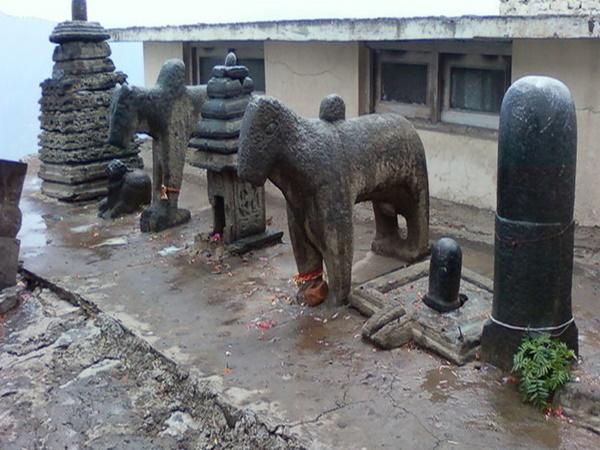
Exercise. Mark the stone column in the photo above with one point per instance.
(12, 177)
(74, 112)
(537, 154)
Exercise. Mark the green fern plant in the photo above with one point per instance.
(543, 365)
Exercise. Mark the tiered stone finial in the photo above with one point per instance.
(74, 107)
(238, 207)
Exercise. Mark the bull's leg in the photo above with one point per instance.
(312, 290)
(387, 234)
(334, 232)
(417, 221)
(157, 171)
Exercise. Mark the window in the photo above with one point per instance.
(453, 82)
(474, 86)
(403, 84)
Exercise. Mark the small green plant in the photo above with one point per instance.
(543, 365)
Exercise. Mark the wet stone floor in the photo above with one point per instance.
(305, 373)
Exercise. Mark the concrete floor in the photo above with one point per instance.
(304, 371)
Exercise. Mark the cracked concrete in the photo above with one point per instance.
(232, 325)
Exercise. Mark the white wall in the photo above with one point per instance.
(300, 74)
(155, 54)
(536, 7)
(461, 168)
(577, 64)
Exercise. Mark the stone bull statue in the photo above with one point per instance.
(169, 113)
(323, 167)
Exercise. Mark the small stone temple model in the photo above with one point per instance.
(533, 264)
(12, 177)
(168, 112)
(239, 214)
(324, 167)
(128, 191)
(74, 112)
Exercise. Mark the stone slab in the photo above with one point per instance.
(75, 101)
(78, 30)
(75, 192)
(398, 314)
(225, 109)
(52, 140)
(220, 146)
(218, 129)
(83, 67)
(81, 50)
(89, 155)
(9, 261)
(75, 121)
(211, 161)
(81, 173)
(84, 82)
(255, 242)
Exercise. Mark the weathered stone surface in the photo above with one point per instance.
(82, 156)
(75, 121)
(81, 50)
(323, 169)
(128, 191)
(398, 315)
(54, 142)
(78, 30)
(220, 146)
(79, 10)
(168, 112)
(209, 160)
(80, 173)
(76, 101)
(235, 72)
(224, 88)
(9, 262)
(81, 67)
(67, 85)
(9, 298)
(224, 109)
(218, 129)
(332, 108)
(89, 190)
(533, 261)
(581, 401)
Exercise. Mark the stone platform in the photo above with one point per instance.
(398, 314)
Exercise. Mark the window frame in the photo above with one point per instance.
(413, 110)
(441, 57)
(464, 61)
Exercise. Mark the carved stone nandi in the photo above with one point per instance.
(324, 167)
(168, 112)
(128, 191)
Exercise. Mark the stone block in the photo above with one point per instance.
(51, 141)
(216, 162)
(81, 173)
(219, 146)
(9, 262)
(399, 315)
(76, 121)
(75, 192)
(224, 109)
(223, 88)
(218, 129)
(81, 50)
(82, 67)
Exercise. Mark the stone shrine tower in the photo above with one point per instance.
(74, 112)
(239, 214)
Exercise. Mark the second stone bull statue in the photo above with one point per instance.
(323, 167)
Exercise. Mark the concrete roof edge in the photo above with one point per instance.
(388, 28)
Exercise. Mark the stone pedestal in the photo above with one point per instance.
(74, 112)
(239, 215)
(533, 263)
(12, 177)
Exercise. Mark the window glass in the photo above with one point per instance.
(404, 83)
(479, 90)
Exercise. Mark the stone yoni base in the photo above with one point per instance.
(398, 314)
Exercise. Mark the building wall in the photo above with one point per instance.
(300, 74)
(155, 54)
(535, 7)
(461, 168)
(577, 64)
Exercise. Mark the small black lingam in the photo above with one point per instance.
(444, 277)
(533, 263)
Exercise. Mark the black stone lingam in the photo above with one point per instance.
(444, 277)
(79, 10)
(533, 264)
